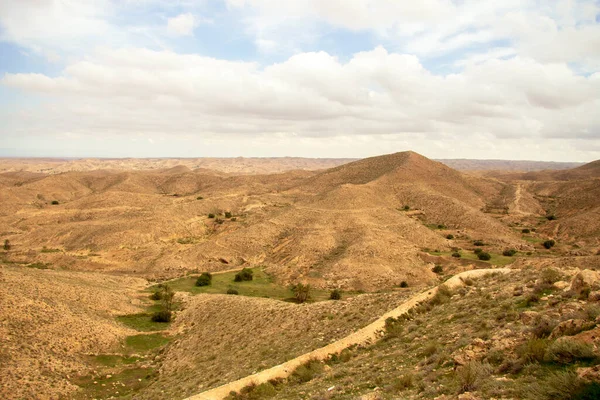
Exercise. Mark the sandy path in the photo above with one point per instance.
(517, 201)
(368, 334)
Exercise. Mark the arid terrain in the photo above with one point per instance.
(88, 241)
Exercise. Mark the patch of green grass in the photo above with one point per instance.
(143, 343)
(119, 385)
(141, 322)
(497, 259)
(261, 285)
(532, 239)
(113, 360)
(38, 265)
(49, 250)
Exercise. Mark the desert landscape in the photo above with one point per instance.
(93, 248)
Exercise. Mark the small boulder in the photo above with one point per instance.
(585, 279)
(570, 327)
(594, 296)
(528, 317)
(589, 374)
(560, 285)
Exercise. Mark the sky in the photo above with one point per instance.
(477, 79)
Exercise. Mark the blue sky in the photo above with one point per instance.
(311, 78)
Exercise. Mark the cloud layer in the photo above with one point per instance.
(511, 99)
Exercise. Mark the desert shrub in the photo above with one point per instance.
(495, 356)
(306, 372)
(531, 299)
(211, 215)
(450, 236)
(244, 275)
(335, 294)
(477, 251)
(403, 284)
(54, 202)
(232, 291)
(228, 214)
(438, 269)
(430, 349)
(478, 243)
(162, 316)
(549, 244)
(542, 328)
(234, 219)
(551, 217)
(442, 295)
(199, 198)
(255, 392)
(219, 221)
(456, 254)
(205, 279)
(550, 275)
(470, 376)
(525, 230)
(533, 350)
(156, 295)
(393, 327)
(301, 292)
(484, 256)
(561, 385)
(6, 245)
(403, 382)
(406, 208)
(441, 226)
(567, 350)
(509, 252)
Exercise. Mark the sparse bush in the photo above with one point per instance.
(406, 208)
(542, 328)
(561, 385)
(551, 217)
(162, 316)
(6, 245)
(307, 371)
(477, 251)
(228, 214)
(479, 243)
(550, 275)
(301, 292)
(470, 376)
(441, 226)
(157, 295)
(335, 294)
(484, 256)
(449, 236)
(549, 244)
(211, 215)
(566, 350)
(509, 252)
(219, 221)
(456, 254)
(199, 198)
(525, 230)
(232, 291)
(403, 382)
(244, 275)
(531, 299)
(533, 350)
(204, 280)
(233, 219)
(438, 269)
(442, 295)
(54, 202)
(403, 284)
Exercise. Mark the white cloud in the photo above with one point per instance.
(312, 95)
(182, 25)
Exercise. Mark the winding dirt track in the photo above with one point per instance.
(368, 334)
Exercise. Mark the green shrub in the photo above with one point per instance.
(199, 198)
(335, 294)
(551, 217)
(525, 230)
(211, 215)
(162, 316)
(403, 284)
(228, 214)
(406, 208)
(157, 295)
(403, 382)
(456, 254)
(204, 280)
(219, 221)
(560, 385)
(6, 245)
(477, 251)
(307, 371)
(450, 236)
(301, 292)
(442, 295)
(233, 219)
(438, 269)
(531, 299)
(566, 350)
(478, 243)
(54, 202)
(509, 252)
(471, 375)
(244, 275)
(232, 291)
(441, 226)
(543, 327)
(549, 244)
(484, 256)
(550, 275)
(533, 350)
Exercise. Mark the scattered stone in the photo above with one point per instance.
(528, 317)
(560, 285)
(570, 327)
(585, 279)
(590, 374)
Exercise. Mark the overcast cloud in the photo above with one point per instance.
(324, 78)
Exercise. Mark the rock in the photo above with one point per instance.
(528, 317)
(517, 291)
(570, 327)
(590, 374)
(468, 396)
(594, 296)
(584, 279)
(560, 285)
